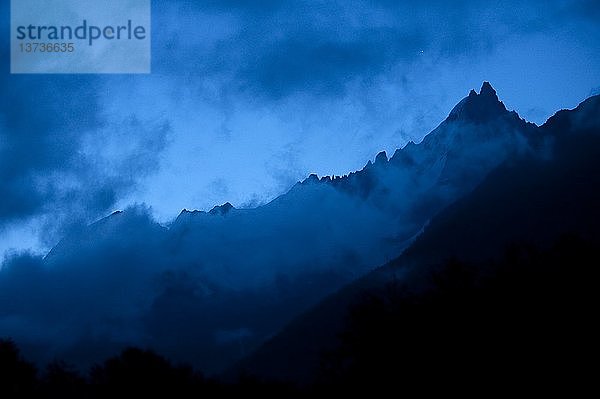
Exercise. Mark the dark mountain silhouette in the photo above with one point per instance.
(212, 286)
(495, 296)
(480, 108)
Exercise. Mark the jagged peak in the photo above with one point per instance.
(381, 158)
(216, 210)
(186, 215)
(479, 108)
(488, 91)
(312, 178)
(221, 209)
(185, 211)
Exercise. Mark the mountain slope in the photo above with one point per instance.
(214, 285)
(408, 322)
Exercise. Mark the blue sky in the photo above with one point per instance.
(248, 97)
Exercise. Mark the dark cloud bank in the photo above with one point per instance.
(277, 48)
(48, 170)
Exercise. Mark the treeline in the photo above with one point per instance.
(522, 324)
(134, 373)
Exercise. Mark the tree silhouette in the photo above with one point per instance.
(61, 380)
(17, 376)
(518, 324)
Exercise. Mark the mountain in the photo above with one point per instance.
(497, 294)
(213, 285)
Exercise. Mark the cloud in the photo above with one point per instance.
(48, 167)
(339, 72)
(60, 305)
(589, 9)
(43, 122)
(321, 65)
(278, 48)
(61, 158)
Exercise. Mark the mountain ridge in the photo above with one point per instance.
(533, 200)
(223, 271)
(487, 96)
